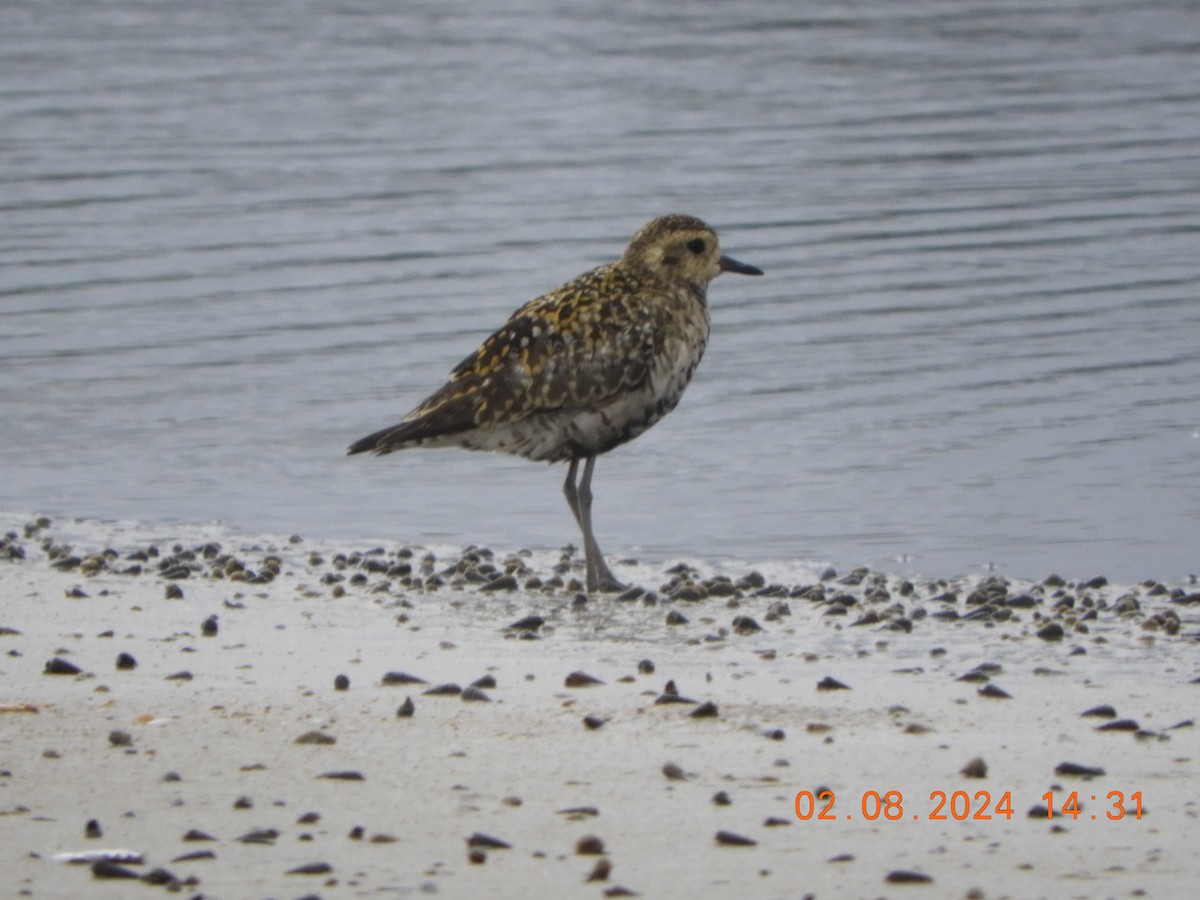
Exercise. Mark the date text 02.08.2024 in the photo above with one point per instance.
(961, 805)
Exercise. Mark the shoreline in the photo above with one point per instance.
(199, 735)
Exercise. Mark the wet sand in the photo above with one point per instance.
(649, 745)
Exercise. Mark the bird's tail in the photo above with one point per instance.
(438, 418)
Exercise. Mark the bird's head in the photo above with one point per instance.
(682, 248)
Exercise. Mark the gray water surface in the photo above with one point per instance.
(235, 237)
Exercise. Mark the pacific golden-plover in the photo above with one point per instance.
(582, 369)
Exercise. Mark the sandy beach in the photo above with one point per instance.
(235, 716)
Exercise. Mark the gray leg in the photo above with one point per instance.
(599, 576)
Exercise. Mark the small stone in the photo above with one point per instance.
(60, 666)
(1100, 712)
(209, 627)
(474, 694)
(159, 877)
(745, 625)
(402, 678)
(173, 592)
(996, 693)
(1077, 770)
(732, 839)
(341, 683)
(502, 583)
(1051, 632)
(105, 869)
(600, 871)
(903, 876)
(589, 845)
(976, 768)
(118, 738)
(315, 737)
(343, 775)
(721, 798)
(1119, 725)
(125, 662)
(580, 680)
(316, 868)
(593, 722)
(259, 836)
(479, 839)
(706, 710)
(645, 667)
(407, 708)
(831, 684)
(528, 623)
(477, 856)
(673, 772)
(444, 690)
(92, 829)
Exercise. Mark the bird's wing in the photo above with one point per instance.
(577, 346)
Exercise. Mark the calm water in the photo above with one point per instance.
(235, 237)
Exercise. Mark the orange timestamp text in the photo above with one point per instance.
(963, 806)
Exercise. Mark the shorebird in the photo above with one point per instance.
(582, 369)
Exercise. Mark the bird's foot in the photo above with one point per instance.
(607, 584)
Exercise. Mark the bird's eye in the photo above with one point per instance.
(697, 245)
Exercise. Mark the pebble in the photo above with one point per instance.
(1119, 725)
(60, 666)
(479, 839)
(1077, 770)
(125, 662)
(104, 869)
(589, 845)
(1051, 632)
(402, 678)
(904, 876)
(315, 737)
(600, 871)
(580, 680)
(342, 683)
(831, 684)
(406, 709)
(976, 768)
(259, 836)
(315, 868)
(732, 839)
(673, 772)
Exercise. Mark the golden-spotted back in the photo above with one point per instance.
(584, 367)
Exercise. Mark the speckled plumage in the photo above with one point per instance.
(583, 368)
